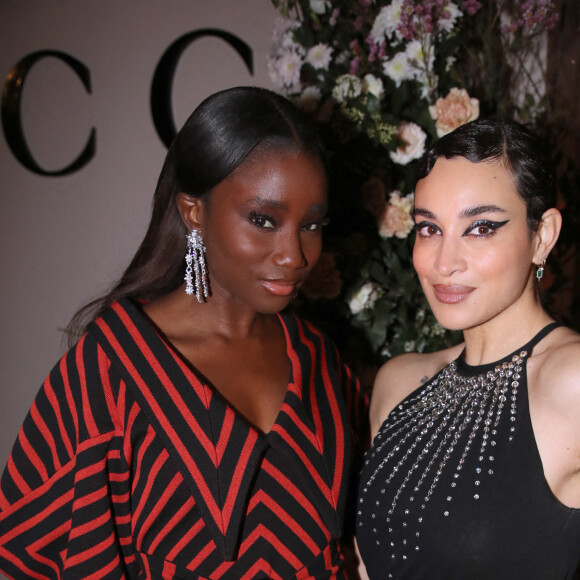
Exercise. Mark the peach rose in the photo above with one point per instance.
(396, 219)
(413, 147)
(456, 109)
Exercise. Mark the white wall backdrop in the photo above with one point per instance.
(64, 240)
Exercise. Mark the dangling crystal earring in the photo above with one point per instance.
(195, 260)
(540, 271)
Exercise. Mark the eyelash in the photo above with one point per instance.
(259, 220)
(491, 225)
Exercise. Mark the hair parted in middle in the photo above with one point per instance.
(225, 130)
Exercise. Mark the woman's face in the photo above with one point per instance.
(473, 250)
(262, 227)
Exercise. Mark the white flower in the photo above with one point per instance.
(413, 138)
(364, 298)
(347, 86)
(282, 26)
(289, 65)
(397, 219)
(386, 22)
(309, 99)
(447, 24)
(319, 6)
(420, 60)
(437, 330)
(409, 346)
(343, 57)
(319, 56)
(285, 59)
(373, 86)
(290, 45)
(274, 72)
(399, 69)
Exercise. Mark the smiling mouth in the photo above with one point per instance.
(280, 287)
(451, 293)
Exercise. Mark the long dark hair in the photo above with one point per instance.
(521, 152)
(218, 136)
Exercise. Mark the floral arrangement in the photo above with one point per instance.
(384, 78)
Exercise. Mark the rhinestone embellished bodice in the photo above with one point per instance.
(446, 460)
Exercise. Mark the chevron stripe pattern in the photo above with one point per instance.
(130, 465)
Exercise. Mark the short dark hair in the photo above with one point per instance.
(222, 132)
(516, 147)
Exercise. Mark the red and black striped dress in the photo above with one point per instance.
(129, 465)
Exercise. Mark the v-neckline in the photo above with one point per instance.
(204, 380)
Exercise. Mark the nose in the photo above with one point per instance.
(449, 257)
(288, 252)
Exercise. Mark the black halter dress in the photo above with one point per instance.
(453, 485)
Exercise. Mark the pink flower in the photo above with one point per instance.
(456, 109)
(396, 220)
(471, 6)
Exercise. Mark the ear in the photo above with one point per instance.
(547, 234)
(191, 210)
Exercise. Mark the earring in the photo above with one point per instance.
(196, 266)
(540, 271)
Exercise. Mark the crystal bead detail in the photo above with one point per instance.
(452, 422)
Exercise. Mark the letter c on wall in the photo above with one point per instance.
(11, 119)
(165, 71)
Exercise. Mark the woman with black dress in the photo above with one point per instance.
(474, 469)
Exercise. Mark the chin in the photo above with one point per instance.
(274, 306)
(450, 318)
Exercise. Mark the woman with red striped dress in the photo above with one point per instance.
(198, 428)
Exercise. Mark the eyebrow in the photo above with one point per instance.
(466, 213)
(268, 203)
(280, 205)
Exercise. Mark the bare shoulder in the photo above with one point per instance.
(400, 376)
(558, 365)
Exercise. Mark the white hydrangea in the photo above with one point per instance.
(385, 24)
(347, 86)
(319, 56)
(399, 69)
(374, 86)
(414, 139)
(364, 298)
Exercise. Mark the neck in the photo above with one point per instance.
(505, 333)
(181, 315)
